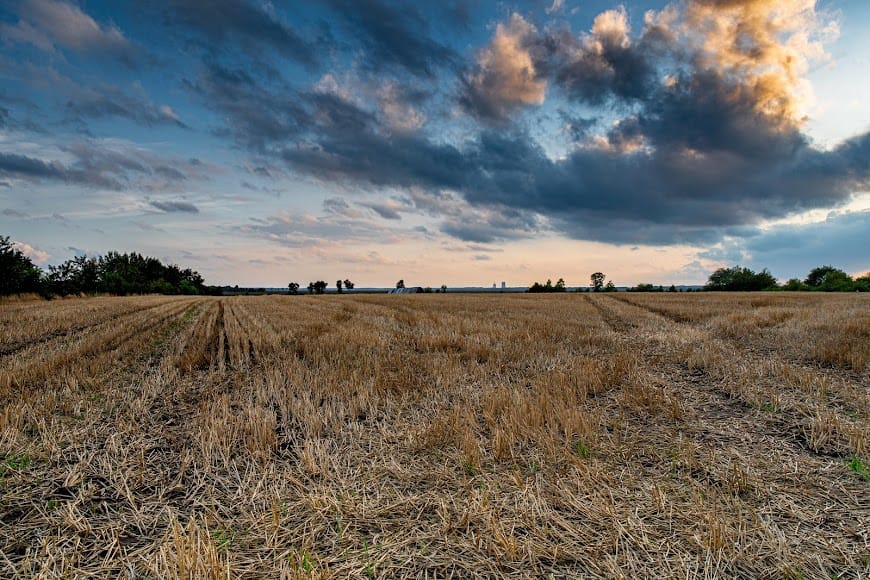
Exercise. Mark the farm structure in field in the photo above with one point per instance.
(409, 290)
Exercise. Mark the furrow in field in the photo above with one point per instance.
(92, 349)
(731, 443)
(22, 332)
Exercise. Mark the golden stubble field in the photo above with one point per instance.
(570, 435)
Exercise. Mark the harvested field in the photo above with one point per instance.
(606, 435)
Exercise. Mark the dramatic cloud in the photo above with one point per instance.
(505, 77)
(47, 24)
(174, 206)
(456, 121)
(713, 139)
(393, 36)
(252, 26)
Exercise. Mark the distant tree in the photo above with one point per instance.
(610, 287)
(348, 284)
(311, 287)
(400, 284)
(319, 287)
(293, 287)
(794, 285)
(862, 283)
(537, 287)
(338, 286)
(18, 274)
(829, 279)
(817, 275)
(444, 288)
(597, 281)
(672, 288)
(740, 279)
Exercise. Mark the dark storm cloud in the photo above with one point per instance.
(96, 165)
(27, 168)
(394, 34)
(250, 26)
(257, 114)
(110, 101)
(174, 206)
(706, 140)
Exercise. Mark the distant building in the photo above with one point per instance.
(503, 286)
(409, 290)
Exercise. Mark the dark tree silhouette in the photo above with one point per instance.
(597, 281)
(829, 279)
(400, 284)
(338, 284)
(740, 279)
(293, 287)
(18, 274)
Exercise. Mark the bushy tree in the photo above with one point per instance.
(338, 286)
(794, 285)
(829, 279)
(559, 286)
(400, 284)
(348, 284)
(862, 283)
(596, 281)
(18, 274)
(740, 279)
(643, 288)
(293, 288)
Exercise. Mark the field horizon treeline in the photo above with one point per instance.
(113, 273)
(124, 274)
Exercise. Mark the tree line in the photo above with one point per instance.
(115, 273)
(821, 279)
(736, 278)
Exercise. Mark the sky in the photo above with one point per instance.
(460, 142)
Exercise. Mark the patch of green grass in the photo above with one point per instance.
(534, 467)
(769, 407)
(470, 468)
(14, 463)
(582, 449)
(369, 569)
(858, 467)
(307, 562)
(223, 539)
